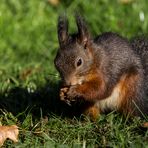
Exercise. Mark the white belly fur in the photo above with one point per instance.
(112, 102)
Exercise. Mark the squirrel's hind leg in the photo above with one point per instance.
(93, 112)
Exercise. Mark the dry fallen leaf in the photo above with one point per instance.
(54, 2)
(126, 1)
(145, 124)
(10, 132)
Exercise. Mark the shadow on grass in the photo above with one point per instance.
(43, 101)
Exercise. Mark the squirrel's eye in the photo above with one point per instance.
(85, 46)
(79, 62)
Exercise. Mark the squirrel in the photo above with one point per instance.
(103, 74)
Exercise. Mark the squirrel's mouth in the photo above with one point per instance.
(74, 81)
(77, 82)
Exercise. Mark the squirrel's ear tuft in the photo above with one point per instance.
(62, 29)
(83, 33)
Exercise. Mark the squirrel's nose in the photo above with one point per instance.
(72, 80)
(66, 83)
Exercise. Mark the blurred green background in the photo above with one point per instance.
(28, 45)
(28, 33)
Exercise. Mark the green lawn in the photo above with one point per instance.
(29, 81)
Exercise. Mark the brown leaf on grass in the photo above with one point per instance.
(24, 74)
(145, 124)
(10, 132)
(54, 2)
(126, 1)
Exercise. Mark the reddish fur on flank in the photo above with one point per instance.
(122, 95)
(128, 85)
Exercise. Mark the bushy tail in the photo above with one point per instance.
(140, 45)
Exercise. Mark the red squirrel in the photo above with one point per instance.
(105, 73)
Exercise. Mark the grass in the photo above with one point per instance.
(29, 81)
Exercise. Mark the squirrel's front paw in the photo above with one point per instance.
(63, 95)
(72, 93)
(68, 95)
(63, 92)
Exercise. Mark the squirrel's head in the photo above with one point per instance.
(74, 58)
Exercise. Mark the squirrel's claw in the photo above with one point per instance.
(63, 95)
(63, 92)
(72, 93)
(68, 102)
(68, 95)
